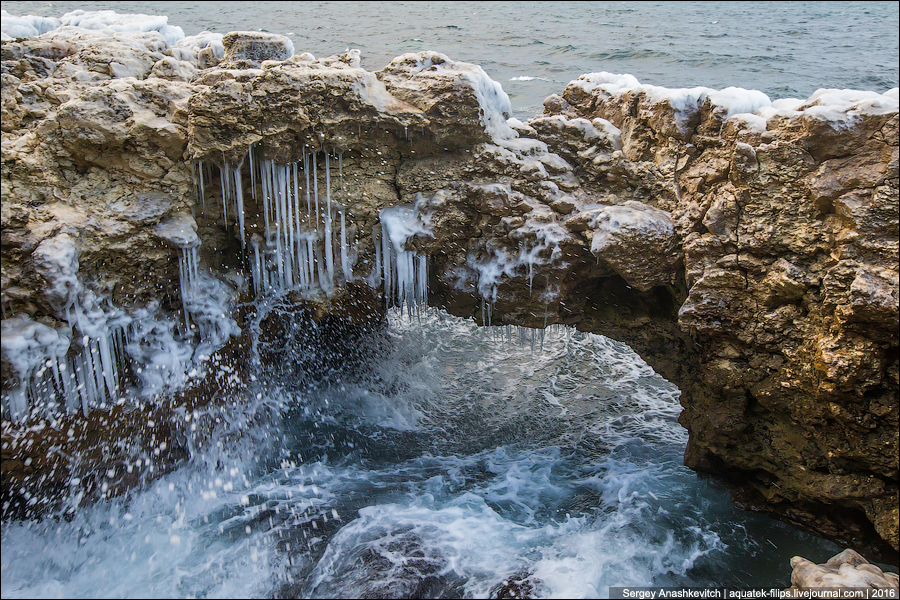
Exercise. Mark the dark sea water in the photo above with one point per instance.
(448, 458)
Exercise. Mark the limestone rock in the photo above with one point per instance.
(637, 241)
(747, 249)
(251, 48)
(845, 570)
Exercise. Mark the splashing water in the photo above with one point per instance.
(446, 461)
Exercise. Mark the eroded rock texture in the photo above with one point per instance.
(748, 251)
(845, 570)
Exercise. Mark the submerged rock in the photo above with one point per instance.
(747, 249)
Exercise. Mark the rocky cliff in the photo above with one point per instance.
(747, 249)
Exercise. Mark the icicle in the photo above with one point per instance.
(252, 173)
(239, 200)
(302, 263)
(319, 269)
(345, 258)
(279, 219)
(329, 249)
(299, 262)
(222, 182)
(405, 272)
(263, 175)
(311, 256)
(256, 266)
(315, 190)
(288, 227)
(376, 239)
(388, 257)
(422, 279)
(110, 372)
(202, 192)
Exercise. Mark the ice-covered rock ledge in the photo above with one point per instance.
(746, 248)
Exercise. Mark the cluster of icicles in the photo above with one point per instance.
(305, 236)
(81, 380)
(299, 241)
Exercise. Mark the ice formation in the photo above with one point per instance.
(87, 364)
(304, 239)
(30, 348)
(105, 21)
(405, 273)
(12, 27)
(751, 106)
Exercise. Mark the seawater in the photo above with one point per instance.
(787, 50)
(444, 460)
(447, 459)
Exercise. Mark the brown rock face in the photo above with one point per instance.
(750, 258)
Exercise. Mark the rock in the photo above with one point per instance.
(845, 570)
(251, 48)
(180, 230)
(635, 240)
(516, 586)
(748, 251)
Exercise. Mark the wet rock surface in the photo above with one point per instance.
(750, 256)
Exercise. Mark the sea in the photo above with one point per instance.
(427, 455)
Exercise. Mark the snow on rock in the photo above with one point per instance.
(451, 85)
(636, 240)
(752, 107)
(173, 69)
(684, 102)
(834, 105)
(204, 39)
(109, 21)
(12, 27)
